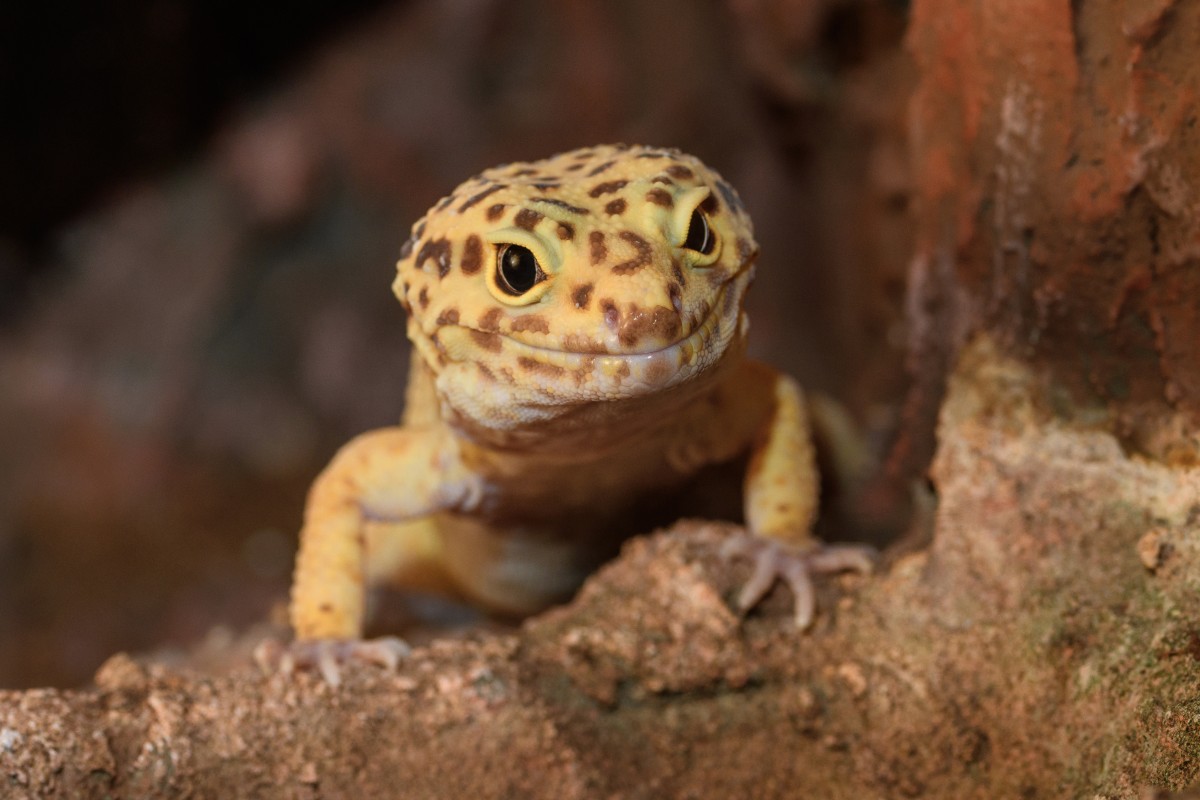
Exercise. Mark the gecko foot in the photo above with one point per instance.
(775, 560)
(328, 656)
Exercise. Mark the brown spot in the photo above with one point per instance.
(563, 204)
(677, 272)
(745, 250)
(711, 204)
(663, 179)
(445, 201)
(599, 251)
(641, 259)
(423, 298)
(661, 323)
(582, 296)
(533, 365)
(574, 167)
(731, 198)
(654, 154)
(479, 196)
(531, 322)
(439, 251)
(657, 371)
(612, 315)
(488, 341)
(608, 187)
(586, 367)
(676, 294)
(728, 303)
(484, 371)
(583, 154)
(495, 211)
(606, 165)
(527, 218)
(660, 197)
(623, 370)
(419, 230)
(681, 172)
(472, 257)
(521, 173)
(617, 206)
(546, 186)
(325, 608)
(448, 317)
(716, 276)
(407, 248)
(491, 320)
(565, 231)
(687, 353)
(579, 343)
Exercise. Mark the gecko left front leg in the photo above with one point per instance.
(781, 493)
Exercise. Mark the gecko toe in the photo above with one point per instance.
(775, 560)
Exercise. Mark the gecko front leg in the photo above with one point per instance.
(781, 495)
(392, 474)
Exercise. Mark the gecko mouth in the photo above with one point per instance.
(660, 368)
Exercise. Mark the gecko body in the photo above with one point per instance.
(579, 337)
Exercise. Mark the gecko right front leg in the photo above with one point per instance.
(392, 474)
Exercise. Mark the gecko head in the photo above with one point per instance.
(606, 275)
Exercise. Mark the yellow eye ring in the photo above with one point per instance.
(523, 268)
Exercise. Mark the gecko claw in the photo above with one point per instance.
(777, 561)
(329, 656)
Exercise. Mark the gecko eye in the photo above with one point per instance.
(517, 270)
(699, 237)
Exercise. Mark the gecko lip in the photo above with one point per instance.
(666, 365)
(611, 374)
(712, 313)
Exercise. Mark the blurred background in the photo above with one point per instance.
(202, 204)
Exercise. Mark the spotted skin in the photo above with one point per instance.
(546, 405)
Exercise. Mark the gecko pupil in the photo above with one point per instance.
(699, 237)
(518, 270)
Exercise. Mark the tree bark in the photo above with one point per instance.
(1057, 155)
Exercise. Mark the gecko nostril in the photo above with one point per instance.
(612, 317)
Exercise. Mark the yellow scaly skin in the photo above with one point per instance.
(547, 399)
